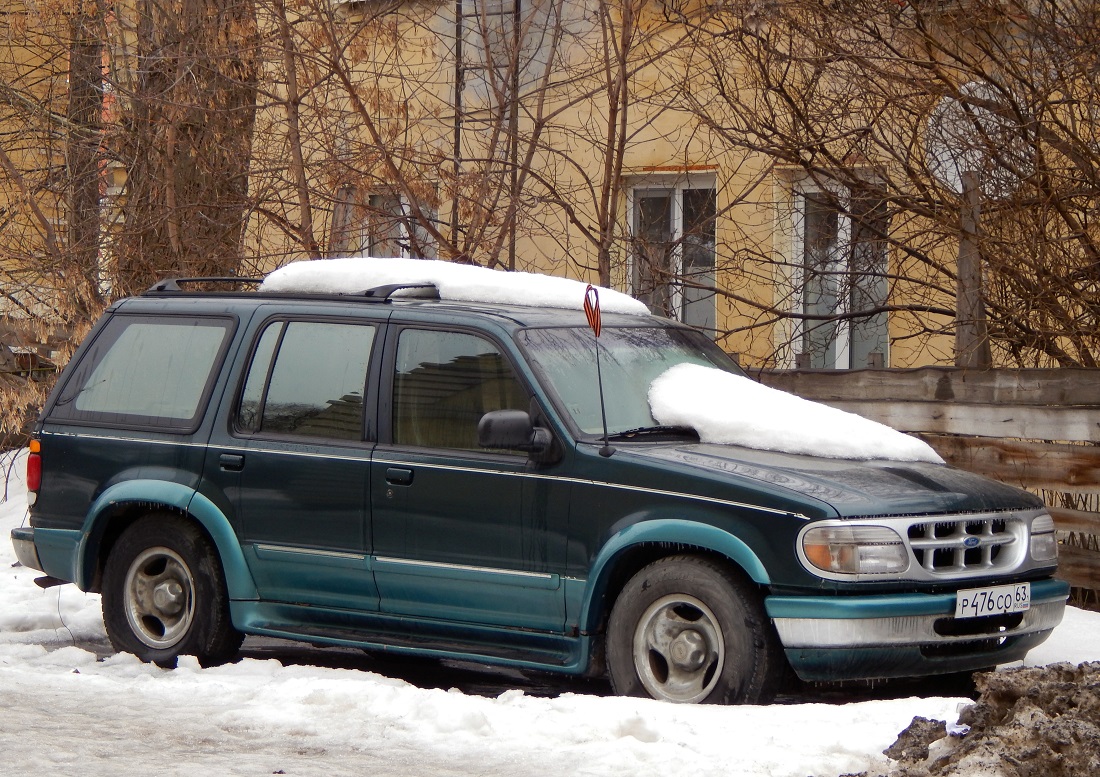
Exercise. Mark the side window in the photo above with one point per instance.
(248, 414)
(147, 371)
(307, 379)
(444, 383)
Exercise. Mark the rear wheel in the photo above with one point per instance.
(686, 629)
(164, 594)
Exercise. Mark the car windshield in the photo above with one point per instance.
(631, 358)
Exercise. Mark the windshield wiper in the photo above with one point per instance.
(654, 431)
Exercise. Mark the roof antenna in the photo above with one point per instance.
(592, 312)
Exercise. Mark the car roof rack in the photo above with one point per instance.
(384, 293)
(173, 284)
(418, 291)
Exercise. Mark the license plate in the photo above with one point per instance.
(996, 600)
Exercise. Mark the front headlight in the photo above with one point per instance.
(855, 550)
(1044, 544)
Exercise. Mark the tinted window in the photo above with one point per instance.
(145, 371)
(444, 383)
(248, 414)
(315, 387)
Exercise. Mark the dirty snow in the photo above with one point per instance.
(66, 713)
(459, 282)
(1033, 722)
(733, 410)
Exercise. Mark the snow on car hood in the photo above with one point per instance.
(851, 488)
(458, 282)
(734, 410)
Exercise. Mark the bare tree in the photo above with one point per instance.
(125, 139)
(895, 103)
(34, 123)
(185, 81)
(85, 134)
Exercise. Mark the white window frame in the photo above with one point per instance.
(790, 280)
(359, 229)
(837, 265)
(398, 219)
(675, 185)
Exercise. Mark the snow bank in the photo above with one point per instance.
(30, 615)
(732, 410)
(459, 282)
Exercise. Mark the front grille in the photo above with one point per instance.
(965, 545)
(948, 548)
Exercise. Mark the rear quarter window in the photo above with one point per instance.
(146, 372)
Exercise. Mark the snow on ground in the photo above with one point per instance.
(64, 712)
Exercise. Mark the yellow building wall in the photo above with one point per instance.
(33, 68)
(406, 71)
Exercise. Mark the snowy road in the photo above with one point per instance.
(66, 710)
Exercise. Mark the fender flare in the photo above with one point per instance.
(671, 531)
(162, 493)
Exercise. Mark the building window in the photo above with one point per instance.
(489, 32)
(379, 225)
(385, 226)
(673, 252)
(839, 280)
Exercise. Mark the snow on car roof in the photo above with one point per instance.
(723, 408)
(458, 282)
(730, 409)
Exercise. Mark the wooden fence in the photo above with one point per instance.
(1035, 428)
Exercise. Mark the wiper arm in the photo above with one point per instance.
(647, 431)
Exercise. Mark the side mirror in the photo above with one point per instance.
(513, 430)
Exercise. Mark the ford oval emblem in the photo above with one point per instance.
(972, 542)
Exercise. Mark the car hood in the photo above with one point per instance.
(851, 488)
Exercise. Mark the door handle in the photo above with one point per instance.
(399, 476)
(231, 462)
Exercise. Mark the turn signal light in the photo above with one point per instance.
(856, 550)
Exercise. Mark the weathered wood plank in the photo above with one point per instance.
(1034, 423)
(1066, 387)
(1055, 467)
(1080, 521)
(1079, 567)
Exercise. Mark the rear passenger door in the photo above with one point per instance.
(453, 534)
(302, 463)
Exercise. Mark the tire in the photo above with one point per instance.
(686, 629)
(164, 594)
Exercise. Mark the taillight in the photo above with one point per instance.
(34, 470)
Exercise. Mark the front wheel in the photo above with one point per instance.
(685, 629)
(164, 594)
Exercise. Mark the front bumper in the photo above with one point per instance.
(25, 551)
(906, 635)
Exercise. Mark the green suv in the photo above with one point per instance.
(415, 465)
